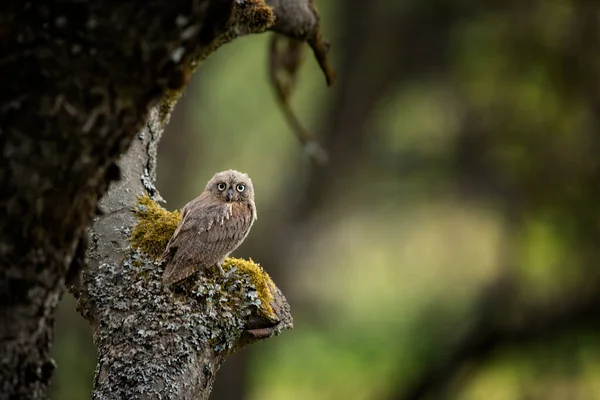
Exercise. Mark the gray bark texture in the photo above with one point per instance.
(83, 82)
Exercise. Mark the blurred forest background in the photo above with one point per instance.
(450, 249)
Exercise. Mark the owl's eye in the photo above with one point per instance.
(240, 188)
(221, 186)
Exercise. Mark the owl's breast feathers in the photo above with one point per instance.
(209, 230)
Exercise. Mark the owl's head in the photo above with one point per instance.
(231, 186)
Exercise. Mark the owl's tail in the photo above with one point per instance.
(177, 271)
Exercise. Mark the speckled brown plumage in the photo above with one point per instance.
(212, 226)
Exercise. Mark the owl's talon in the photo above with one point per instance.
(221, 270)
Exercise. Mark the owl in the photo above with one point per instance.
(212, 226)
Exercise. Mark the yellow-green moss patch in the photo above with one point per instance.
(259, 277)
(154, 228)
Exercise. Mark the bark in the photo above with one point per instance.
(80, 81)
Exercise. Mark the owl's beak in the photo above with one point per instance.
(230, 194)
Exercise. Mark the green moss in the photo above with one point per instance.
(155, 227)
(259, 278)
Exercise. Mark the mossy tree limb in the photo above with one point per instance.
(81, 80)
(152, 340)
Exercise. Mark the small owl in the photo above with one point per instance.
(212, 226)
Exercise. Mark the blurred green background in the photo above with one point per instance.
(450, 249)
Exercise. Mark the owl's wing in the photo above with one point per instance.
(168, 252)
(204, 236)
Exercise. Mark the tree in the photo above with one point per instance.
(85, 82)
